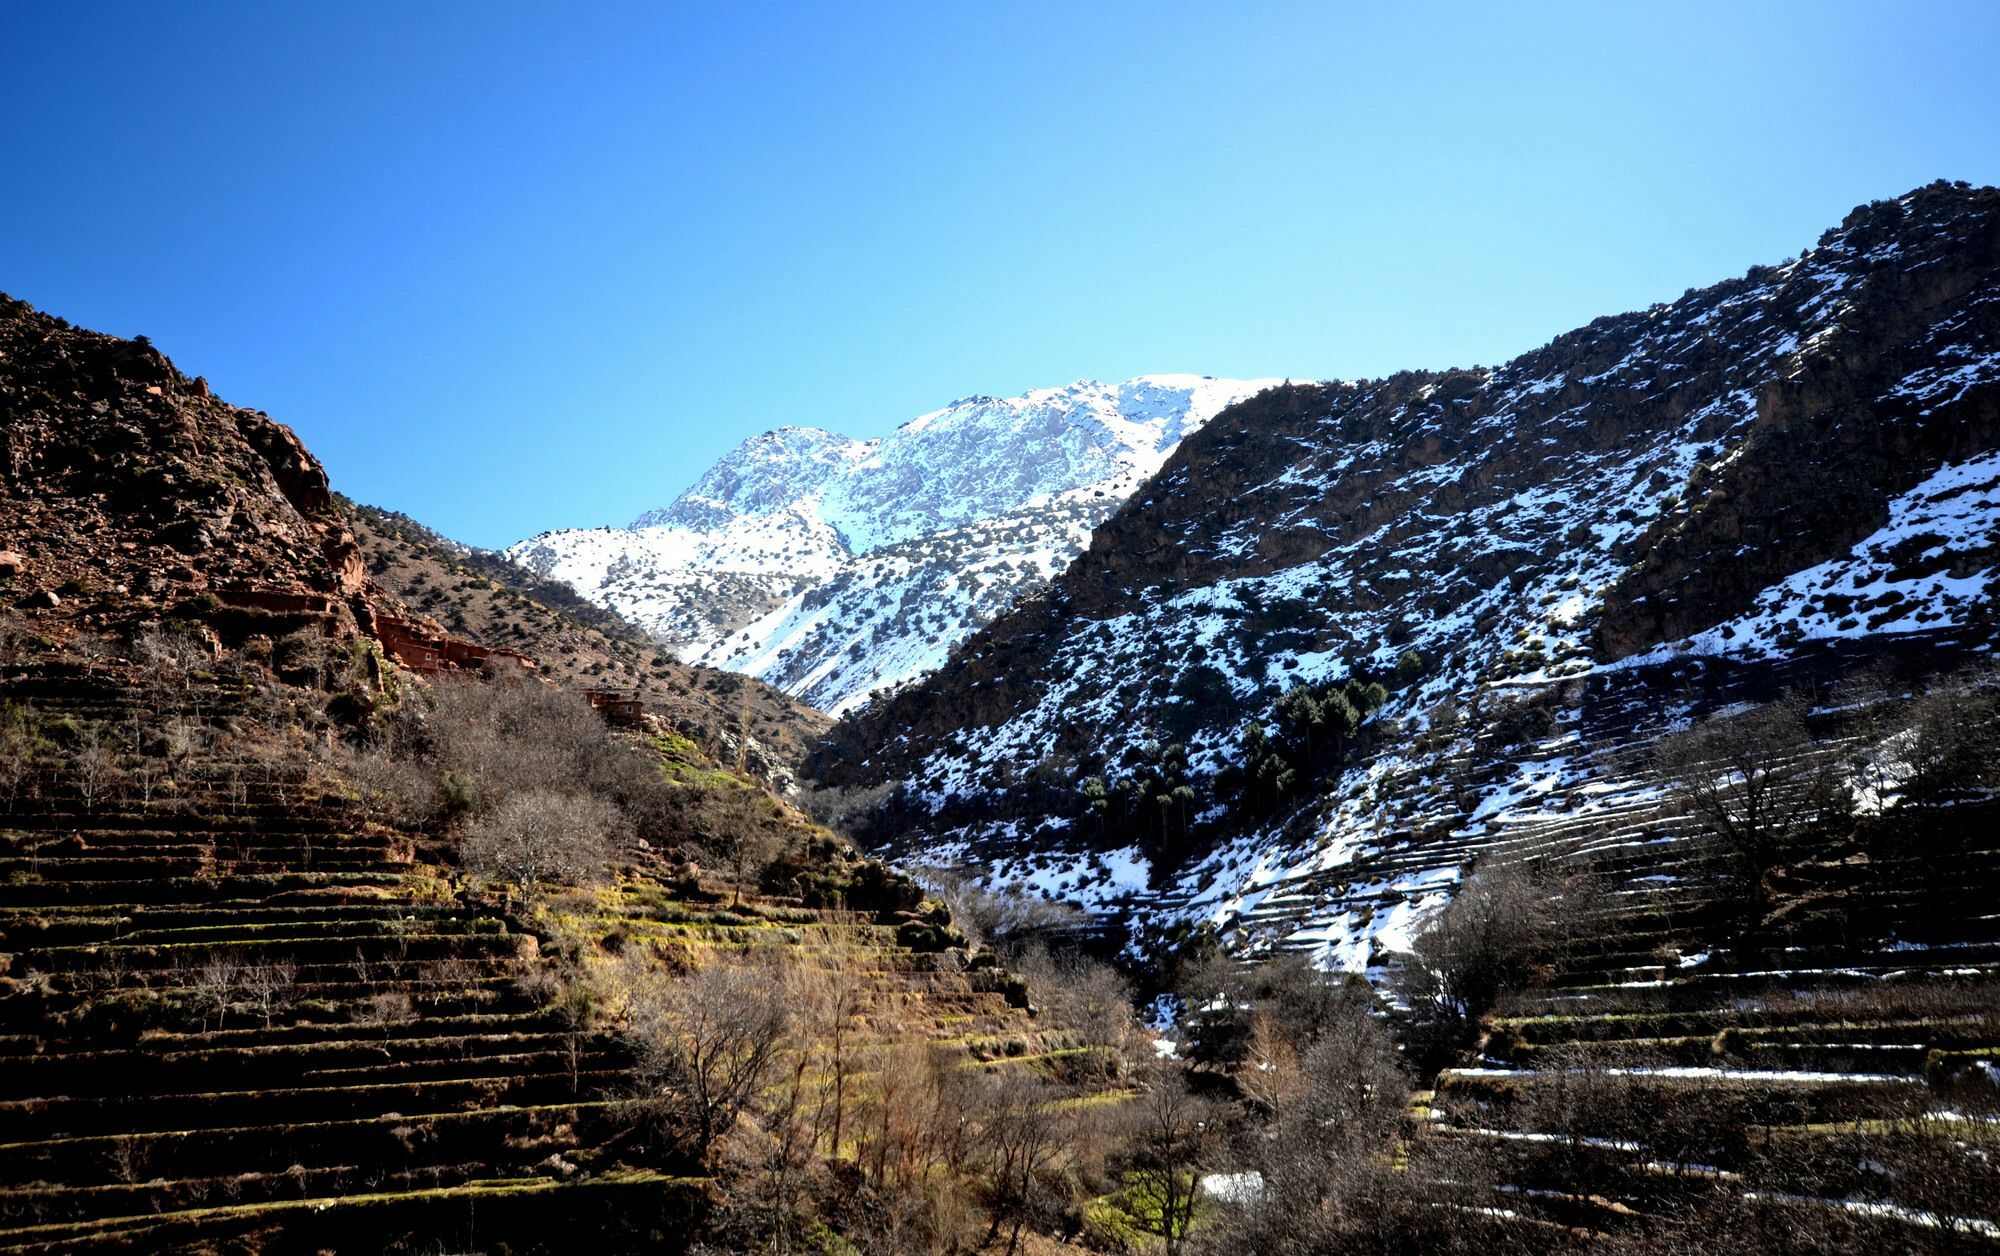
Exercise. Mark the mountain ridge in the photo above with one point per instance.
(736, 559)
(1627, 486)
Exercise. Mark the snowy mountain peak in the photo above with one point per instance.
(779, 559)
(982, 456)
(764, 475)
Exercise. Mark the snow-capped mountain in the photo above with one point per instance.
(1768, 481)
(835, 568)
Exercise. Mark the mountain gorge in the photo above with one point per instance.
(833, 568)
(1774, 478)
(1540, 808)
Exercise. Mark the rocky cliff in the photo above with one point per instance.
(131, 491)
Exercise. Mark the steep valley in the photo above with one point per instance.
(1541, 808)
(1584, 708)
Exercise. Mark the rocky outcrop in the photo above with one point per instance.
(1857, 422)
(134, 494)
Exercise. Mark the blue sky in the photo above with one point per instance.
(507, 268)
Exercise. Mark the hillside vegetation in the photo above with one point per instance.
(488, 599)
(482, 973)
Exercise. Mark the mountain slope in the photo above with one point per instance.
(484, 598)
(128, 491)
(784, 559)
(281, 967)
(131, 496)
(1803, 455)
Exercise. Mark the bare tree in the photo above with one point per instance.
(1946, 745)
(542, 836)
(170, 657)
(1090, 1002)
(1176, 1134)
(833, 1002)
(213, 986)
(1481, 944)
(19, 751)
(842, 809)
(268, 983)
(706, 1041)
(1322, 1158)
(94, 767)
(392, 789)
(743, 829)
(1755, 780)
(1026, 1130)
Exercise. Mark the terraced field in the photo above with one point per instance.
(239, 1017)
(1812, 1063)
(1817, 1068)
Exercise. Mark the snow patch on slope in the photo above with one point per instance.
(1931, 567)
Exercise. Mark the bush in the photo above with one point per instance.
(542, 836)
(461, 796)
(1482, 943)
(1756, 781)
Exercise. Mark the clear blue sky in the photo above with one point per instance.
(516, 266)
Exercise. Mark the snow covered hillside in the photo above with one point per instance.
(1772, 479)
(834, 568)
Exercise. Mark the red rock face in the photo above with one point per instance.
(132, 493)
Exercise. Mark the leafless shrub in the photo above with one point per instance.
(542, 836)
(14, 638)
(387, 1007)
(145, 778)
(20, 754)
(1755, 780)
(1087, 1002)
(1007, 921)
(1482, 943)
(1324, 1083)
(1026, 1132)
(705, 1042)
(1237, 1015)
(832, 1003)
(183, 741)
(1945, 745)
(392, 790)
(89, 649)
(129, 1159)
(843, 809)
(514, 733)
(171, 658)
(305, 657)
